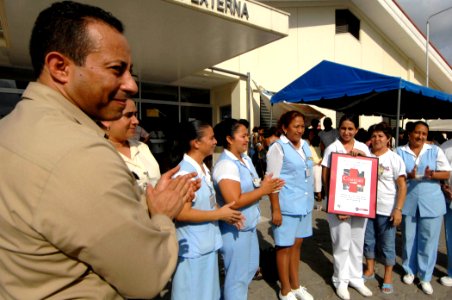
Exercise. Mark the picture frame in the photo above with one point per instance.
(353, 185)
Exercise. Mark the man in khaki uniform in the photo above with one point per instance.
(71, 222)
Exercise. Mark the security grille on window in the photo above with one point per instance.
(347, 22)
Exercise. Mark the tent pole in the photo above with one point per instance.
(399, 96)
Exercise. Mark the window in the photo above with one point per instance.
(346, 22)
(225, 112)
(194, 95)
(159, 92)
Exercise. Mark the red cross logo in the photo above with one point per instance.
(352, 179)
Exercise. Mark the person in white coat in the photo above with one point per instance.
(135, 154)
(347, 232)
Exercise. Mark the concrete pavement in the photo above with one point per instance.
(316, 267)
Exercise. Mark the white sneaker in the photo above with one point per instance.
(289, 296)
(408, 278)
(342, 292)
(362, 289)
(426, 287)
(446, 280)
(302, 293)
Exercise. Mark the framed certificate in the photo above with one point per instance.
(353, 185)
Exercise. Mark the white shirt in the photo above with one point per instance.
(390, 168)
(204, 172)
(142, 164)
(442, 164)
(337, 146)
(227, 169)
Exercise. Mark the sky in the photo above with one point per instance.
(440, 25)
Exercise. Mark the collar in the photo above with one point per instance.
(425, 148)
(37, 91)
(285, 140)
(230, 155)
(197, 167)
(134, 147)
(341, 146)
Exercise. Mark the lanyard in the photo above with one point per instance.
(256, 180)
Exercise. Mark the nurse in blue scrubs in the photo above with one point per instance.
(424, 207)
(197, 275)
(290, 158)
(237, 183)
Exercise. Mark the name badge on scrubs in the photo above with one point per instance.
(212, 200)
(256, 182)
(307, 172)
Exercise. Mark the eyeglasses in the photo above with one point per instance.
(130, 114)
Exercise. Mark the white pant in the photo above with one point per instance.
(348, 241)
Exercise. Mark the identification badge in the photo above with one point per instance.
(256, 182)
(307, 172)
(213, 201)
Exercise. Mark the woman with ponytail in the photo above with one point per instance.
(197, 275)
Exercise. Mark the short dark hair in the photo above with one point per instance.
(409, 126)
(268, 132)
(383, 127)
(287, 117)
(62, 28)
(327, 122)
(419, 123)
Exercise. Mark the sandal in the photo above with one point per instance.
(387, 288)
(370, 277)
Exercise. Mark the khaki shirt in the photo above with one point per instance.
(71, 225)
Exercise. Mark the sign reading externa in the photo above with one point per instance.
(235, 8)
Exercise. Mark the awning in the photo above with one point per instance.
(276, 111)
(440, 125)
(352, 90)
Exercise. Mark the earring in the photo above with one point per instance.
(106, 135)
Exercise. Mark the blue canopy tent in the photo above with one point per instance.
(352, 90)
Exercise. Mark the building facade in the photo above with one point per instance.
(371, 35)
(204, 59)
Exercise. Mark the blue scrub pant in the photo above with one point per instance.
(420, 245)
(197, 278)
(241, 260)
(448, 229)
